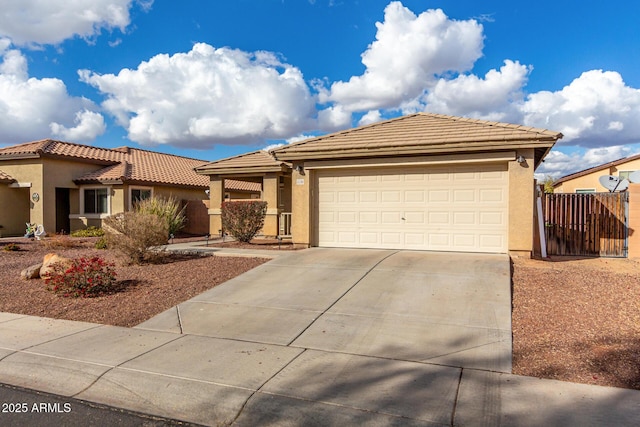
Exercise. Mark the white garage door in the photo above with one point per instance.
(453, 208)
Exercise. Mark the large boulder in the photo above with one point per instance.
(32, 272)
(49, 260)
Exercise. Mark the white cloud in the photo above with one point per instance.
(207, 96)
(88, 125)
(496, 97)
(372, 116)
(30, 108)
(596, 108)
(39, 22)
(558, 163)
(408, 54)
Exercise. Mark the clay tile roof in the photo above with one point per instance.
(421, 133)
(49, 147)
(121, 164)
(5, 177)
(256, 161)
(236, 185)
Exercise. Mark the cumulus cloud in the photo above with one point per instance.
(207, 96)
(593, 109)
(497, 96)
(37, 22)
(558, 164)
(33, 108)
(407, 56)
(371, 117)
(88, 125)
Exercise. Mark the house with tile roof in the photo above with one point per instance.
(66, 186)
(422, 181)
(587, 180)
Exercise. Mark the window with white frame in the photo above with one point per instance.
(625, 174)
(95, 200)
(137, 194)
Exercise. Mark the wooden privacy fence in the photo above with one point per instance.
(593, 224)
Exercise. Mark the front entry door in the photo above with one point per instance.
(63, 210)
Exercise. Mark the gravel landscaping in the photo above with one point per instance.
(145, 290)
(573, 319)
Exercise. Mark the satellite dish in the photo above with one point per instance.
(635, 177)
(613, 183)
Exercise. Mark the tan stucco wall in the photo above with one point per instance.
(521, 204)
(301, 212)
(14, 210)
(590, 181)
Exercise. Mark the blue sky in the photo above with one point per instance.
(211, 79)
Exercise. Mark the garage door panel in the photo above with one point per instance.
(449, 208)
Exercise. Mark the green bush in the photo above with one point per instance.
(167, 209)
(11, 247)
(101, 243)
(243, 219)
(138, 237)
(91, 231)
(86, 277)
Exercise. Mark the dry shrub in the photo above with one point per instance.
(167, 209)
(243, 219)
(58, 241)
(136, 236)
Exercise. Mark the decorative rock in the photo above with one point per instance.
(32, 272)
(50, 259)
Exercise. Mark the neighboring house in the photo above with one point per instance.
(66, 186)
(422, 181)
(586, 181)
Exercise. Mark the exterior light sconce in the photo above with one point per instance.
(521, 159)
(300, 169)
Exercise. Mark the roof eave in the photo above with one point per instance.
(410, 150)
(242, 170)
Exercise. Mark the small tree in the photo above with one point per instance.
(167, 209)
(243, 219)
(547, 182)
(137, 236)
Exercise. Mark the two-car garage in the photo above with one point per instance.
(462, 208)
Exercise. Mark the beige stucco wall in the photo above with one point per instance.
(521, 204)
(590, 181)
(14, 210)
(301, 211)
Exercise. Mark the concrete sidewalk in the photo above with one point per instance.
(316, 337)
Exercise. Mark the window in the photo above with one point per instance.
(96, 200)
(139, 193)
(625, 174)
(585, 190)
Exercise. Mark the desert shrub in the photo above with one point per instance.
(243, 219)
(136, 236)
(91, 231)
(86, 277)
(167, 209)
(58, 241)
(11, 247)
(101, 243)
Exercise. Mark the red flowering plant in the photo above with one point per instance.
(84, 277)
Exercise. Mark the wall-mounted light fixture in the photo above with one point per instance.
(521, 159)
(299, 169)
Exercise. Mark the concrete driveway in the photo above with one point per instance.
(316, 337)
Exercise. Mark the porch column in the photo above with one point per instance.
(216, 197)
(270, 195)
